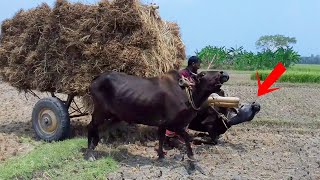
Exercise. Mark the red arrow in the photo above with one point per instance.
(272, 77)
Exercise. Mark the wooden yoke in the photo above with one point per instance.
(219, 101)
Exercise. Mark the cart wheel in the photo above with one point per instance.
(50, 119)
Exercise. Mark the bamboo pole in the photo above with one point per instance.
(224, 104)
(223, 99)
(229, 102)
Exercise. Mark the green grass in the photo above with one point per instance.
(299, 73)
(291, 76)
(58, 160)
(296, 74)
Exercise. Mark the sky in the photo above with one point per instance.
(229, 23)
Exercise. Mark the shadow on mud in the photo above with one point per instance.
(24, 129)
(144, 140)
(146, 136)
(238, 147)
(117, 134)
(120, 133)
(21, 129)
(127, 159)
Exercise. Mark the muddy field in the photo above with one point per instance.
(282, 142)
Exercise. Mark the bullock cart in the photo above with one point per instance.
(61, 48)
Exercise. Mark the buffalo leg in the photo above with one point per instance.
(187, 139)
(213, 135)
(161, 135)
(93, 132)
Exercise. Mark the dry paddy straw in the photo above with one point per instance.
(62, 49)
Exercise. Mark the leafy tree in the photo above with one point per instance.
(240, 59)
(216, 55)
(287, 56)
(274, 42)
(235, 51)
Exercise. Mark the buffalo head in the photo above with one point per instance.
(246, 112)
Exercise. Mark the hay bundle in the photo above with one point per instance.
(62, 49)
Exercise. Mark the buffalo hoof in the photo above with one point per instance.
(191, 158)
(161, 154)
(90, 156)
(191, 166)
(160, 158)
(203, 140)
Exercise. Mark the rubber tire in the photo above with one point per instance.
(62, 115)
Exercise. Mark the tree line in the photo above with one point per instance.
(310, 60)
(272, 49)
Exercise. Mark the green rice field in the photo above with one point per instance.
(301, 73)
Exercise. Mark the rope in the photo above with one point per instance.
(188, 87)
(188, 91)
(223, 117)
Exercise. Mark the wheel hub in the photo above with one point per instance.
(47, 121)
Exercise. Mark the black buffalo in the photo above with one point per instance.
(210, 120)
(159, 101)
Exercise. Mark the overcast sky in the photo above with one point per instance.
(227, 23)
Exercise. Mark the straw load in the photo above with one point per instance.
(61, 49)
